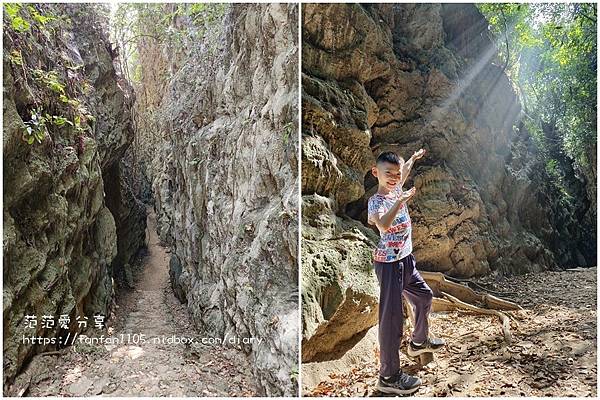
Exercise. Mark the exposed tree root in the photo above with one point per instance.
(450, 303)
(450, 296)
(439, 284)
(474, 285)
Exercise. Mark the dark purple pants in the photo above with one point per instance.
(395, 279)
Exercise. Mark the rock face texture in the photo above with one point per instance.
(401, 77)
(66, 231)
(221, 156)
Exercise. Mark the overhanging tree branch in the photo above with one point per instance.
(141, 35)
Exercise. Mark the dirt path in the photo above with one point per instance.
(156, 367)
(553, 352)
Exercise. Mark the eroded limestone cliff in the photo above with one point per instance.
(217, 123)
(401, 77)
(70, 220)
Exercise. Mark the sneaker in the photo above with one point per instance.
(429, 346)
(400, 383)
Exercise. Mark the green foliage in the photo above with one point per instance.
(552, 168)
(508, 22)
(207, 14)
(42, 20)
(50, 79)
(58, 120)
(16, 57)
(176, 25)
(46, 88)
(550, 50)
(200, 13)
(294, 374)
(18, 17)
(287, 132)
(35, 129)
(17, 22)
(12, 9)
(197, 8)
(554, 172)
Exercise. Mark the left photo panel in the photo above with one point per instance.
(150, 199)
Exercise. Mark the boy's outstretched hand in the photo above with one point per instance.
(418, 154)
(405, 196)
(384, 221)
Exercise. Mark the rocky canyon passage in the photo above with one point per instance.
(153, 357)
(150, 198)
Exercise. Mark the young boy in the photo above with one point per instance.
(395, 268)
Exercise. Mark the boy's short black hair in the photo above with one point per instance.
(390, 157)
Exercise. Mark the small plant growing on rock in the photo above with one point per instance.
(58, 120)
(294, 374)
(16, 57)
(39, 18)
(287, 132)
(50, 79)
(80, 129)
(35, 129)
(17, 23)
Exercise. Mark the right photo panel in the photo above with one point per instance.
(448, 236)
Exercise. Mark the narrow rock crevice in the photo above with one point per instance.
(130, 221)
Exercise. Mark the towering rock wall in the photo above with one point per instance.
(68, 218)
(401, 77)
(222, 158)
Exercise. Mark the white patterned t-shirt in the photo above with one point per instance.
(395, 243)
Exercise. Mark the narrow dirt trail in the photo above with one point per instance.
(148, 365)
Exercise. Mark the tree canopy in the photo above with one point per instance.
(549, 52)
(172, 24)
